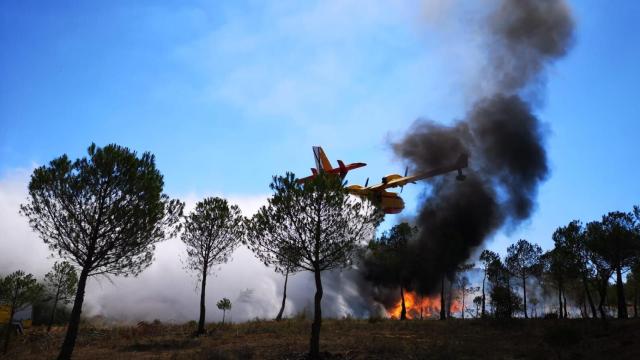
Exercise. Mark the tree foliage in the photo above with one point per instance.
(104, 213)
(504, 300)
(386, 263)
(212, 231)
(572, 240)
(224, 304)
(386, 258)
(316, 227)
(615, 243)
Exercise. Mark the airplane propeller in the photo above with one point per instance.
(366, 183)
(406, 171)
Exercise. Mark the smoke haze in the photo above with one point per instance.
(167, 292)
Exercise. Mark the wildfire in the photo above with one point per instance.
(421, 306)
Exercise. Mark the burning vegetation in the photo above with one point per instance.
(420, 307)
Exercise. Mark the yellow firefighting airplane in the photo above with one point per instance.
(392, 203)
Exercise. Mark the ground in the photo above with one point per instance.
(348, 339)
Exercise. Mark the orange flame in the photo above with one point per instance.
(421, 307)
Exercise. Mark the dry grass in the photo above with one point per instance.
(349, 339)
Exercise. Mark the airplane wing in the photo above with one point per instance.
(401, 181)
(461, 163)
(394, 183)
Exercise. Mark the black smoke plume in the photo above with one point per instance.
(501, 134)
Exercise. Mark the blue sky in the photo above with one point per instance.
(226, 94)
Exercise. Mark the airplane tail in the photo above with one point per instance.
(322, 162)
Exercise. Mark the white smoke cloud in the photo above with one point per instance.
(20, 248)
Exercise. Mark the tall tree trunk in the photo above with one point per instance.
(224, 312)
(462, 312)
(524, 294)
(53, 310)
(603, 296)
(559, 301)
(622, 303)
(403, 312)
(483, 296)
(12, 312)
(203, 287)
(314, 351)
(509, 300)
(284, 297)
(564, 296)
(635, 300)
(9, 330)
(443, 314)
(449, 299)
(74, 322)
(588, 293)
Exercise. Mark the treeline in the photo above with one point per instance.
(580, 268)
(593, 269)
(47, 297)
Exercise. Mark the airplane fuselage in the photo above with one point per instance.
(387, 201)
